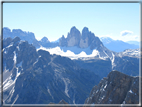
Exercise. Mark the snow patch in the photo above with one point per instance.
(66, 81)
(5, 70)
(105, 86)
(131, 91)
(106, 53)
(21, 41)
(15, 99)
(10, 45)
(112, 61)
(103, 97)
(50, 93)
(4, 50)
(18, 48)
(71, 52)
(18, 73)
(131, 52)
(10, 95)
(14, 58)
(9, 82)
(35, 61)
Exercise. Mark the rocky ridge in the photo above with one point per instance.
(116, 88)
(23, 35)
(35, 77)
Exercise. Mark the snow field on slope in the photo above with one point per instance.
(74, 54)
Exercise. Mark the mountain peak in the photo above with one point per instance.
(63, 36)
(73, 28)
(73, 37)
(44, 39)
(84, 40)
(74, 32)
(85, 33)
(85, 29)
(6, 29)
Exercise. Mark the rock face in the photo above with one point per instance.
(73, 37)
(84, 40)
(116, 88)
(63, 41)
(34, 76)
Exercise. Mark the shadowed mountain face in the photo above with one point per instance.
(36, 77)
(116, 88)
(125, 64)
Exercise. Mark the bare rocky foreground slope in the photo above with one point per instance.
(116, 88)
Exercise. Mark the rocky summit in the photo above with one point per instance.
(116, 88)
(84, 40)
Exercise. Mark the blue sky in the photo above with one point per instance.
(116, 20)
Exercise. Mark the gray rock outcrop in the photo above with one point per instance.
(84, 40)
(116, 88)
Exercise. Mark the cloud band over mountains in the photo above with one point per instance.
(125, 33)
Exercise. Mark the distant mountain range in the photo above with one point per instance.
(134, 42)
(83, 40)
(118, 45)
(83, 46)
(66, 69)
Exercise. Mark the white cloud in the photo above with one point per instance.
(125, 33)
